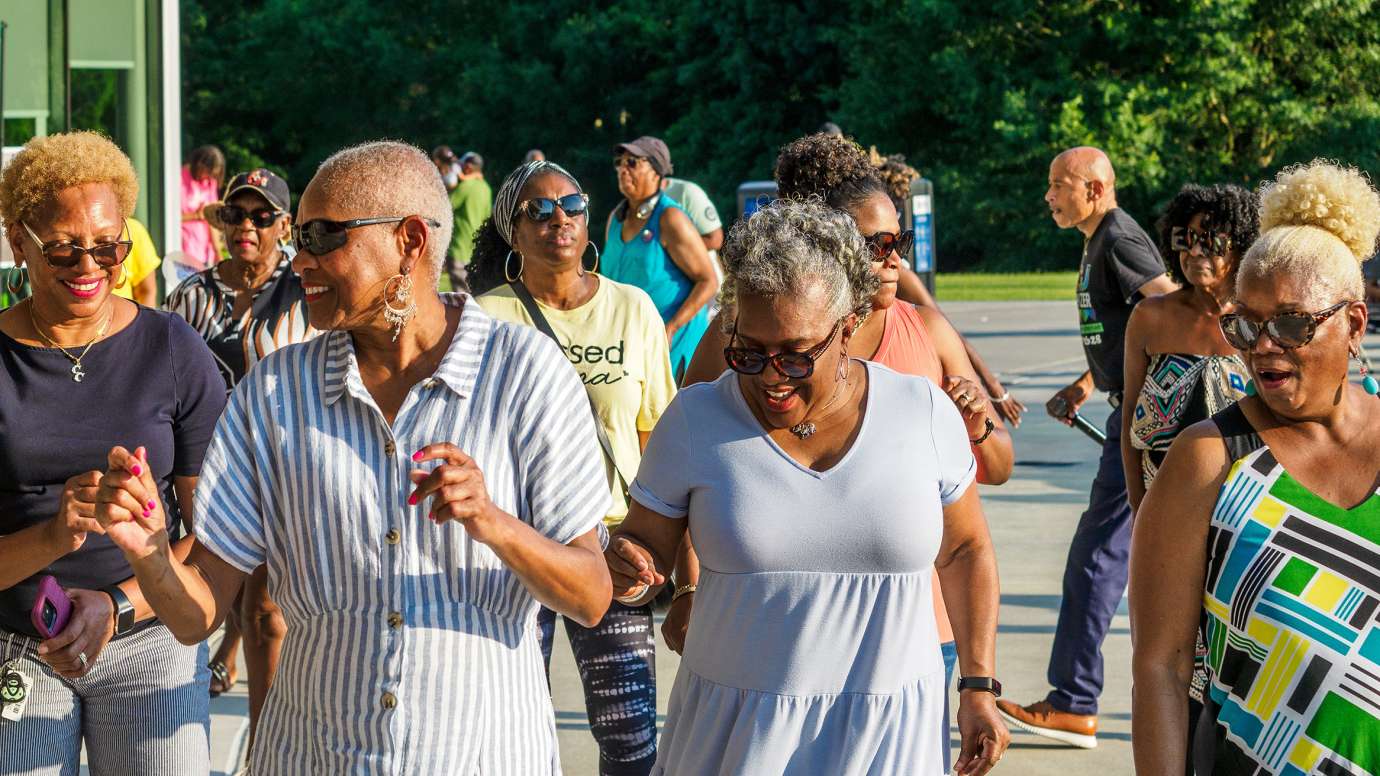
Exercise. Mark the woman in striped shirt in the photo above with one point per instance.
(418, 479)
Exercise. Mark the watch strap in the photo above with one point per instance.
(983, 683)
(124, 610)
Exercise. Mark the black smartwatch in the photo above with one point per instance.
(983, 683)
(124, 610)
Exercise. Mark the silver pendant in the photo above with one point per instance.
(803, 429)
(77, 373)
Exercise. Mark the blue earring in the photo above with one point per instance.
(1368, 383)
(1250, 387)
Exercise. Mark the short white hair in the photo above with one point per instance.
(390, 178)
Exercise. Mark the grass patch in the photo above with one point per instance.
(1005, 286)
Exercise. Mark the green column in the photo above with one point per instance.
(135, 109)
(57, 66)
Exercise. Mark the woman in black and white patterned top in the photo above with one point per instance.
(245, 308)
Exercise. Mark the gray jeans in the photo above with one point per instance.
(143, 708)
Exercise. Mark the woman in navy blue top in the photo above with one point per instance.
(82, 370)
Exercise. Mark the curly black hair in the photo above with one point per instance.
(485, 270)
(1225, 207)
(832, 168)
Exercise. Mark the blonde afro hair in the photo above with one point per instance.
(1318, 222)
(47, 165)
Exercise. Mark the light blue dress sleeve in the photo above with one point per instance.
(230, 504)
(957, 466)
(663, 479)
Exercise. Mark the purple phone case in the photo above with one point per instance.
(50, 591)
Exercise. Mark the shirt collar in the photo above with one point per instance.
(459, 368)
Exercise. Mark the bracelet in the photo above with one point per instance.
(634, 597)
(990, 428)
(683, 590)
(1004, 398)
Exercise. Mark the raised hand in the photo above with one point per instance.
(971, 402)
(457, 491)
(76, 515)
(128, 506)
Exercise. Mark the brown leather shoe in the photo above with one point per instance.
(1042, 719)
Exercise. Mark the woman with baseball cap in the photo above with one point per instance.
(651, 243)
(245, 308)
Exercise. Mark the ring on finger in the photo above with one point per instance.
(84, 662)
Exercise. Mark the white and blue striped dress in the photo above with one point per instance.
(410, 647)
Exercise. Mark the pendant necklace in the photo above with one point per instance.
(77, 372)
(806, 428)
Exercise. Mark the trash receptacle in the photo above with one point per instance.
(920, 215)
(753, 195)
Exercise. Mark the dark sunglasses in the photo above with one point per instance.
(795, 365)
(542, 209)
(65, 255)
(320, 236)
(261, 218)
(626, 162)
(1183, 238)
(1288, 330)
(883, 243)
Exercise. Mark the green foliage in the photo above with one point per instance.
(979, 96)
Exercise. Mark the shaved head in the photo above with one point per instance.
(1089, 164)
(388, 178)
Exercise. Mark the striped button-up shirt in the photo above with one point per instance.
(411, 648)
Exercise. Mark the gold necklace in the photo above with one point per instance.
(77, 372)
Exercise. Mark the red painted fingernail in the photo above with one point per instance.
(417, 456)
(146, 513)
(136, 470)
(412, 501)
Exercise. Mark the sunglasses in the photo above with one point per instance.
(795, 365)
(1183, 238)
(320, 236)
(261, 218)
(627, 162)
(883, 243)
(542, 209)
(63, 254)
(1288, 330)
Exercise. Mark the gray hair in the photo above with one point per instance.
(390, 178)
(790, 246)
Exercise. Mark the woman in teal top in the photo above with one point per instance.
(652, 244)
(1263, 524)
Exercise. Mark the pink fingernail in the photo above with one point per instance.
(412, 501)
(146, 513)
(151, 505)
(417, 456)
(136, 470)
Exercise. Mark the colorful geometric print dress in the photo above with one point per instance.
(1291, 598)
(1181, 389)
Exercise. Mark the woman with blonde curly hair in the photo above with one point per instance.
(82, 370)
(813, 647)
(1266, 520)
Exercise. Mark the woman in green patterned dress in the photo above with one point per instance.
(1266, 526)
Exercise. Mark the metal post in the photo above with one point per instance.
(2, 83)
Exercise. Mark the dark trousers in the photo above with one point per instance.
(1094, 581)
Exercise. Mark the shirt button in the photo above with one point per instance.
(392, 537)
(389, 700)
(390, 448)
(430, 382)
(395, 620)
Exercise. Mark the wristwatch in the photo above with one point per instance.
(124, 610)
(983, 683)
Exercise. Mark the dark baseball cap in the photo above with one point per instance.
(443, 153)
(651, 149)
(273, 188)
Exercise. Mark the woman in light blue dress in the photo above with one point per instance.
(812, 648)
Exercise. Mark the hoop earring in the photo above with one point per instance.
(123, 277)
(507, 261)
(399, 306)
(10, 285)
(595, 268)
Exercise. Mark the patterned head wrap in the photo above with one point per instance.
(506, 201)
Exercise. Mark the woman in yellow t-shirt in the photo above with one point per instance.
(141, 282)
(616, 340)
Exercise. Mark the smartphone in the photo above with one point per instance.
(52, 608)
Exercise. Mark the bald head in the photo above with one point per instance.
(1082, 187)
(1088, 163)
(387, 178)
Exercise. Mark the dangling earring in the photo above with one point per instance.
(11, 284)
(842, 375)
(123, 277)
(507, 262)
(595, 268)
(399, 306)
(1368, 382)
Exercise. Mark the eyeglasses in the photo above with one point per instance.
(262, 218)
(792, 364)
(64, 254)
(320, 236)
(883, 243)
(627, 162)
(1288, 330)
(541, 209)
(1183, 238)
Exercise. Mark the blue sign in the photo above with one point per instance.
(922, 221)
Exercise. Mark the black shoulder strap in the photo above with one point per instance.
(539, 320)
(1238, 434)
